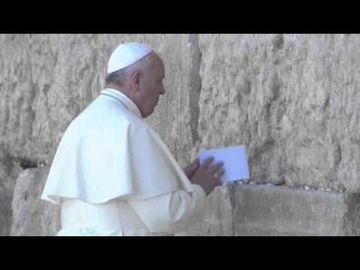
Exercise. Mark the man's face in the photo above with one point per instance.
(151, 85)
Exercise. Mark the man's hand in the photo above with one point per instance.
(191, 169)
(208, 175)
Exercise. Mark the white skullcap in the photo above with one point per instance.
(126, 54)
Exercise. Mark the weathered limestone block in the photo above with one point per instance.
(269, 210)
(49, 79)
(292, 99)
(9, 170)
(32, 216)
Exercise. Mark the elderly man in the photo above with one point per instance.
(112, 174)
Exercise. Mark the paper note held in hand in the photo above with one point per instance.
(235, 162)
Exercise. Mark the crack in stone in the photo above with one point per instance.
(195, 85)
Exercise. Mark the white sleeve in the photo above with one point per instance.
(172, 212)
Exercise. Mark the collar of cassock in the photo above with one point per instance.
(121, 98)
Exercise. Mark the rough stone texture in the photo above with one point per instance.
(32, 216)
(49, 79)
(293, 100)
(8, 174)
(267, 210)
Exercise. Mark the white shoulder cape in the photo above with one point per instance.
(108, 151)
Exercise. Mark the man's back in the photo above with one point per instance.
(112, 172)
(109, 167)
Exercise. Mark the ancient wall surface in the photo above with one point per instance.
(32, 216)
(293, 100)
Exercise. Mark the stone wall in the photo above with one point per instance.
(32, 216)
(293, 100)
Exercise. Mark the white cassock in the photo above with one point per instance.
(113, 175)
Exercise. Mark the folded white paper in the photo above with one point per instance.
(235, 162)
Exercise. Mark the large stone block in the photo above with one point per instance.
(49, 79)
(9, 170)
(32, 216)
(269, 210)
(292, 99)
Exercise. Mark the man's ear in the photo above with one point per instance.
(135, 79)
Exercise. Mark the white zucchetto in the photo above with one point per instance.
(127, 54)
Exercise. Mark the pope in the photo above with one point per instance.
(112, 174)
